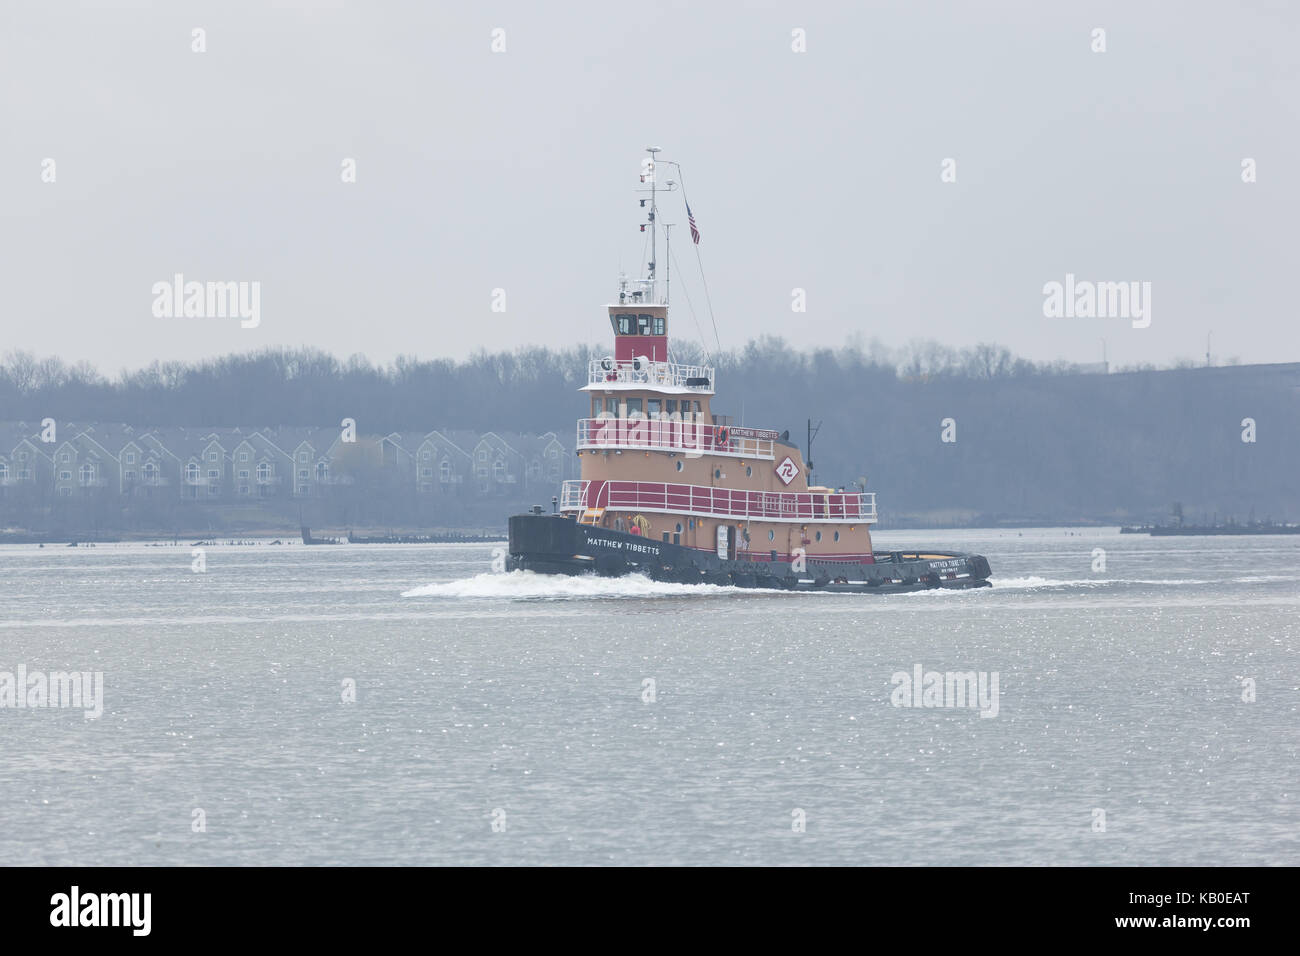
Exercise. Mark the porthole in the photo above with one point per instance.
(771, 536)
(679, 465)
(749, 472)
(679, 527)
(837, 534)
(717, 472)
(819, 535)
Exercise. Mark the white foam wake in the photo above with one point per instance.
(529, 584)
(1034, 581)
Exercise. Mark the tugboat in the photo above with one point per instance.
(677, 492)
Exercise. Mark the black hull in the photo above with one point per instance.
(555, 544)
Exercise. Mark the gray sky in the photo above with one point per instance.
(517, 170)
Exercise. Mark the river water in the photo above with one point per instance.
(1146, 711)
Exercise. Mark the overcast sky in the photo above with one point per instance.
(818, 170)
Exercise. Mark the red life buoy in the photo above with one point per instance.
(721, 436)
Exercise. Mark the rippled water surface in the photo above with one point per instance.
(519, 700)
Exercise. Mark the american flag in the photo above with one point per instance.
(690, 218)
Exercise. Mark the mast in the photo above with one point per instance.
(654, 245)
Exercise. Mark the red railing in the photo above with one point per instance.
(657, 496)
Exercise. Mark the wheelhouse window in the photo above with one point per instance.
(659, 325)
(643, 324)
(653, 407)
(625, 323)
(670, 406)
(634, 408)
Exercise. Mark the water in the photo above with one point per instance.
(1119, 690)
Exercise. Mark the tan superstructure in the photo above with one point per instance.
(656, 457)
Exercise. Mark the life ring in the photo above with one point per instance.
(721, 435)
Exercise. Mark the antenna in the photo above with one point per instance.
(668, 260)
(812, 433)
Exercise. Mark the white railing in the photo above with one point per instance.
(606, 371)
(672, 434)
(662, 497)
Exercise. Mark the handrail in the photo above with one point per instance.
(643, 372)
(670, 434)
(655, 496)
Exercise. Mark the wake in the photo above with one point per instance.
(530, 584)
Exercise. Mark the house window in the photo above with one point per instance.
(192, 472)
(243, 489)
(65, 476)
(243, 456)
(213, 474)
(212, 456)
(482, 454)
(214, 489)
(24, 474)
(87, 474)
(130, 476)
(65, 458)
(427, 455)
(130, 458)
(322, 471)
(150, 472)
(426, 472)
(243, 474)
(302, 474)
(264, 471)
(499, 470)
(444, 470)
(4, 472)
(302, 456)
(66, 492)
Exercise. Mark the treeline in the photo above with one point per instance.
(1033, 441)
(524, 390)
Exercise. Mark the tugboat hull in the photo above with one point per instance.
(556, 544)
